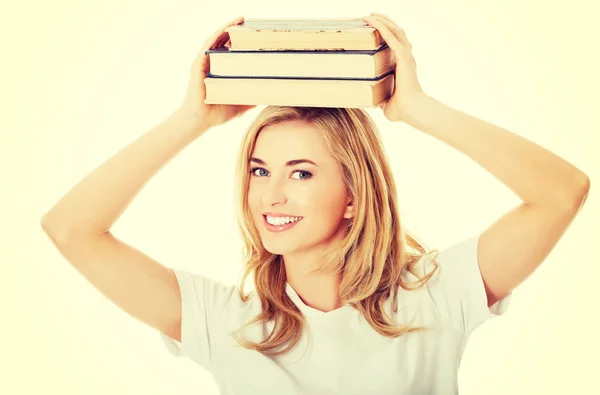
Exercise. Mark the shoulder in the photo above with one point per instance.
(214, 298)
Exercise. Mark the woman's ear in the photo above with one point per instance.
(349, 213)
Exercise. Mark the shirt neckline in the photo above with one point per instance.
(312, 312)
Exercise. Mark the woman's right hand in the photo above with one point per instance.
(210, 114)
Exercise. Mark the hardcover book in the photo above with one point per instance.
(298, 63)
(307, 92)
(304, 34)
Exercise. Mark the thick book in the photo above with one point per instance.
(304, 34)
(300, 92)
(297, 63)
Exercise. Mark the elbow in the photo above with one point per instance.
(586, 183)
(61, 233)
(570, 199)
(580, 194)
(584, 188)
(58, 234)
(45, 223)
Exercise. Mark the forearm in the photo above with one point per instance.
(533, 173)
(96, 202)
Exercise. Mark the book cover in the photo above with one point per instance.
(297, 92)
(377, 78)
(337, 51)
(357, 64)
(304, 25)
(304, 34)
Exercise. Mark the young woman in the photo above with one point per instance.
(345, 301)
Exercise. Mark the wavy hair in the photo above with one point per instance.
(371, 257)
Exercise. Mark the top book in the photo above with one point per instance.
(304, 34)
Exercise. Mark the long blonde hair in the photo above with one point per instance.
(371, 257)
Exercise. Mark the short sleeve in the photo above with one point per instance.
(202, 301)
(458, 290)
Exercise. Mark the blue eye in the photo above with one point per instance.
(254, 169)
(308, 174)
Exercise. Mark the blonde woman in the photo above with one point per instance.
(345, 301)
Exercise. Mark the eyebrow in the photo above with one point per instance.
(290, 163)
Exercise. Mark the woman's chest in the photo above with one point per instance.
(331, 360)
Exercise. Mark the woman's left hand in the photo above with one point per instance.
(407, 88)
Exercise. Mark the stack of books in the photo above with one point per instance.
(301, 62)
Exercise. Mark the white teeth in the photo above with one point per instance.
(278, 221)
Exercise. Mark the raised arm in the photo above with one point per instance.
(79, 224)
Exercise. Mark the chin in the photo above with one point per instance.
(277, 250)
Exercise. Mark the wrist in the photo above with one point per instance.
(415, 106)
(191, 121)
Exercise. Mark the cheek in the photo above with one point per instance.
(328, 211)
(254, 205)
(335, 202)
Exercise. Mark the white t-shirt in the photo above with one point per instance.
(345, 355)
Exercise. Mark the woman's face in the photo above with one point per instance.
(314, 191)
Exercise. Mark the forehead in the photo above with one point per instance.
(278, 143)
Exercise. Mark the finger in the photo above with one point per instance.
(201, 63)
(397, 31)
(219, 34)
(209, 43)
(387, 35)
(387, 18)
(221, 41)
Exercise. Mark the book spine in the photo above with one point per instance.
(209, 74)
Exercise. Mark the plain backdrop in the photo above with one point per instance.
(82, 79)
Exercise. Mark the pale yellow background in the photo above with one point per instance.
(81, 79)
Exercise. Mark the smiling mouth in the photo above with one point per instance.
(278, 228)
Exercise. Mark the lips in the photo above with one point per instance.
(279, 215)
(286, 216)
(279, 228)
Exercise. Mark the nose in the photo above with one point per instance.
(274, 193)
